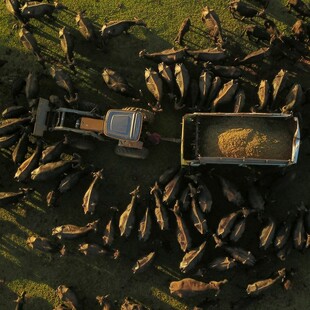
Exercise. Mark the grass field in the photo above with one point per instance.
(39, 274)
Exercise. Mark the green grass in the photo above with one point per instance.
(39, 274)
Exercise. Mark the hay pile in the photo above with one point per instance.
(243, 139)
(247, 142)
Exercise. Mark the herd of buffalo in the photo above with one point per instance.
(179, 196)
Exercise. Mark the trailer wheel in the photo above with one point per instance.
(148, 116)
(131, 152)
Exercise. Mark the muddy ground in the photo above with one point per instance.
(39, 274)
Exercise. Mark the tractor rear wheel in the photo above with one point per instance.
(148, 116)
(131, 152)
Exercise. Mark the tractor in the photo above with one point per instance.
(124, 125)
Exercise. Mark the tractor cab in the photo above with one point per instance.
(123, 125)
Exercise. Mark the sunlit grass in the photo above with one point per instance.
(167, 299)
(9, 257)
(33, 290)
(35, 205)
(167, 271)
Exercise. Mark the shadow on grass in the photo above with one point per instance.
(278, 11)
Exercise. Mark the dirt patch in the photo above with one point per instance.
(251, 138)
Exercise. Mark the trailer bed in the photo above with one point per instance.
(244, 138)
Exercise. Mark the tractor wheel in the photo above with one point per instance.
(131, 152)
(148, 116)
